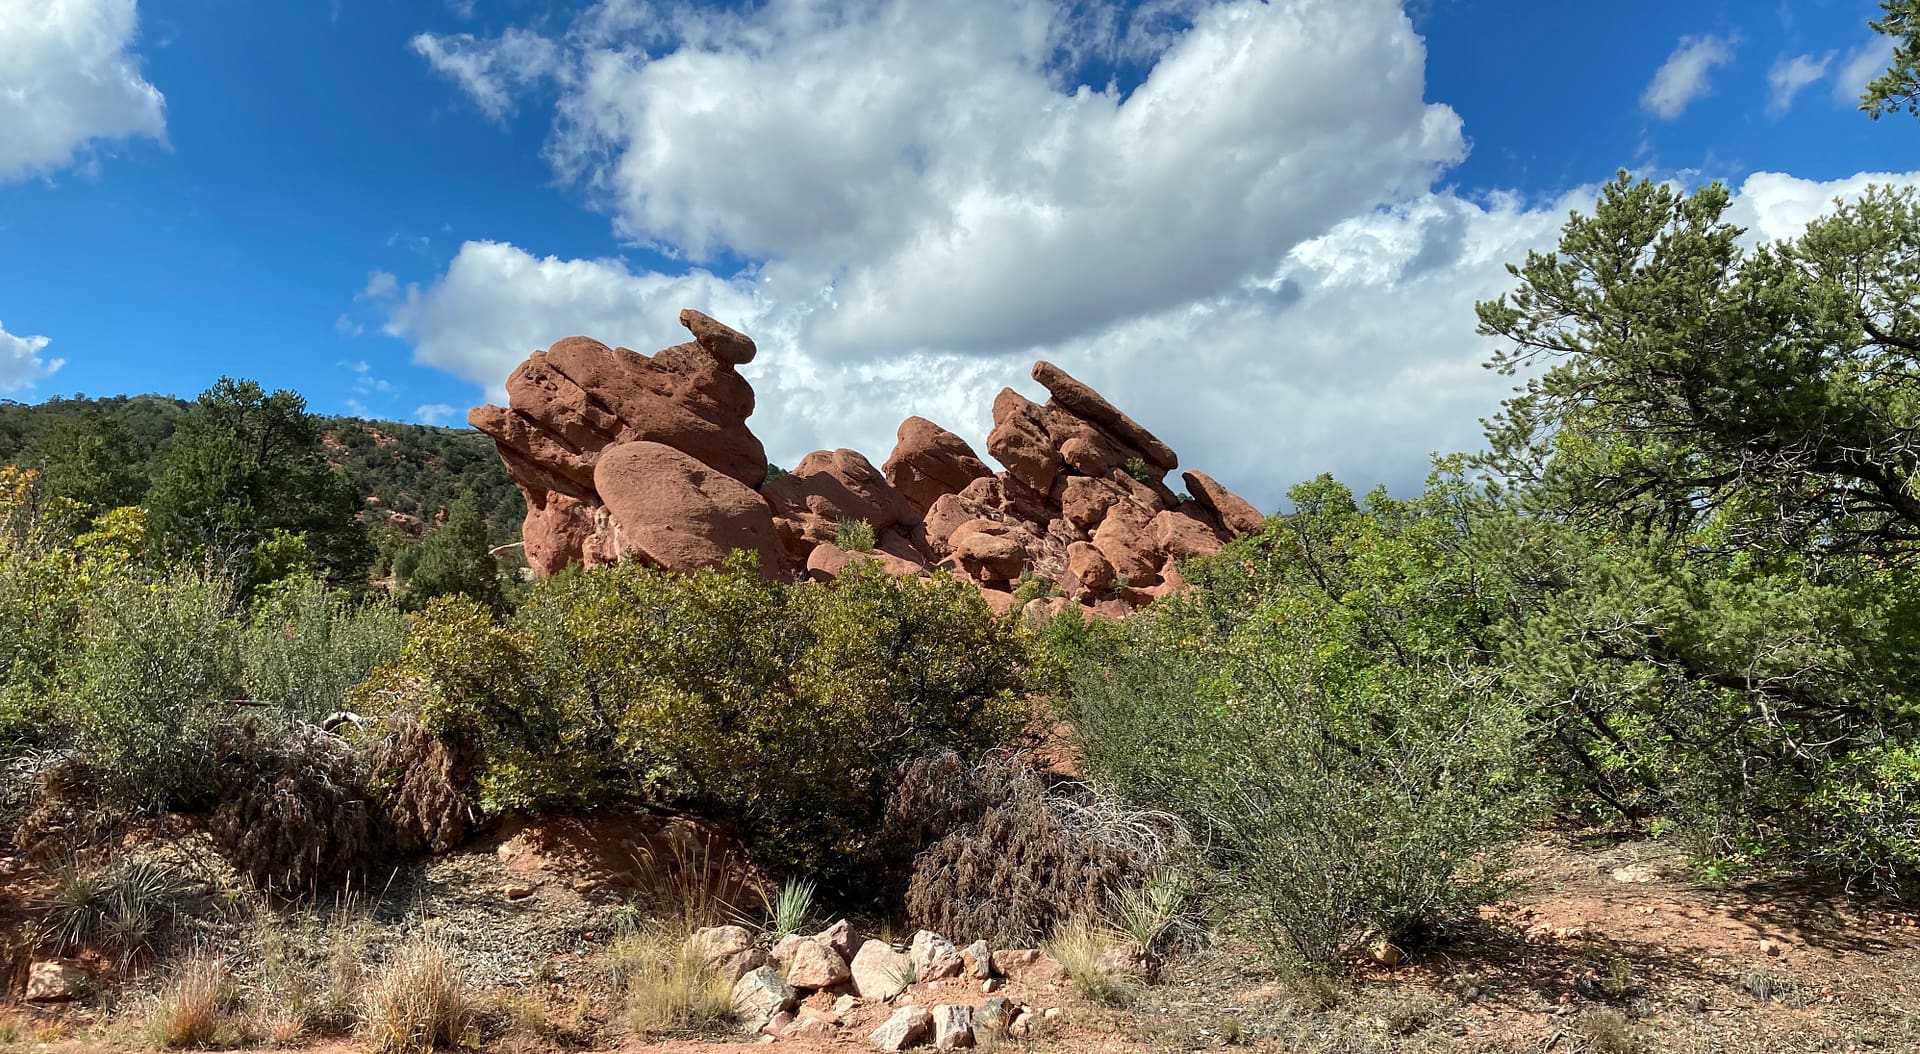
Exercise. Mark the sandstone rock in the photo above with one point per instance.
(1180, 533)
(724, 342)
(1089, 404)
(678, 513)
(778, 1024)
(1125, 538)
(908, 1026)
(845, 1004)
(879, 972)
(952, 1027)
(840, 485)
(739, 964)
(1028, 966)
(1085, 501)
(1236, 514)
(999, 601)
(1020, 442)
(718, 942)
(55, 981)
(977, 960)
(928, 462)
(1090, 567)
(811, 1028)
(828, 561)
(842, 938)
(814, 965)
(784, 948)
(1013, 962)
(759, 995)
(934, 957)
(588, 428)
(991, 557)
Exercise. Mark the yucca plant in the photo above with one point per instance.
(788, 910)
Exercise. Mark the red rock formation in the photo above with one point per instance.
(620, 453)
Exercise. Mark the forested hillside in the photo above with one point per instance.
(105, 451)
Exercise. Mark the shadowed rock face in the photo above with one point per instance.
(620, 453)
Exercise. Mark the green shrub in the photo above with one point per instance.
(855, 536)
(781, 710)
(153, 676)
(1324, 710)
(306, 644)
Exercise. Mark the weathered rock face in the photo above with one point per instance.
(620, 453)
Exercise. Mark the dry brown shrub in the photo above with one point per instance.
(294, 812)
(66, 812)
(1017, 858)
(420, 780)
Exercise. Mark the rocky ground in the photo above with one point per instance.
(1611, 947)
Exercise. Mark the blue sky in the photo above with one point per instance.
(1260, 227)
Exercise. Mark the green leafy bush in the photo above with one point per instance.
(306, 644)
(155, 670)
(781, 710)
(855, 536)
(1323, 710)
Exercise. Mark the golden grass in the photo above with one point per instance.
(191, 1010)
(1080, 947)
(417, 1002)
(668, 985)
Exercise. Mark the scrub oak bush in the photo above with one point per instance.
(1317, 710)
(780, 710)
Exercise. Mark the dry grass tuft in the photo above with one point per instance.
(192, 1009)
(668, 986)
(417, 1002)
(1081, 948)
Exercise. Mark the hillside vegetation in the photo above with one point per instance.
(1659, 634)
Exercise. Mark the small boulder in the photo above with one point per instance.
(977, 960)
(814, 966)
(810, 1028)
(841, 937)
(879, 972)
(722, 341)
(715, 943)
(992, 1018)
(778, 1025)
(784, 948)
(55, 981)
(928, 461)
(952, 1027)
(845, 1004)
(1236, 513)
(934, 957)
(759, 995)
(739, 964)
(908, 1026)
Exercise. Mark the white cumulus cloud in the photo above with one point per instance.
(68, 78)
(1686, 75)
(1259, 268)
(21, 363)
